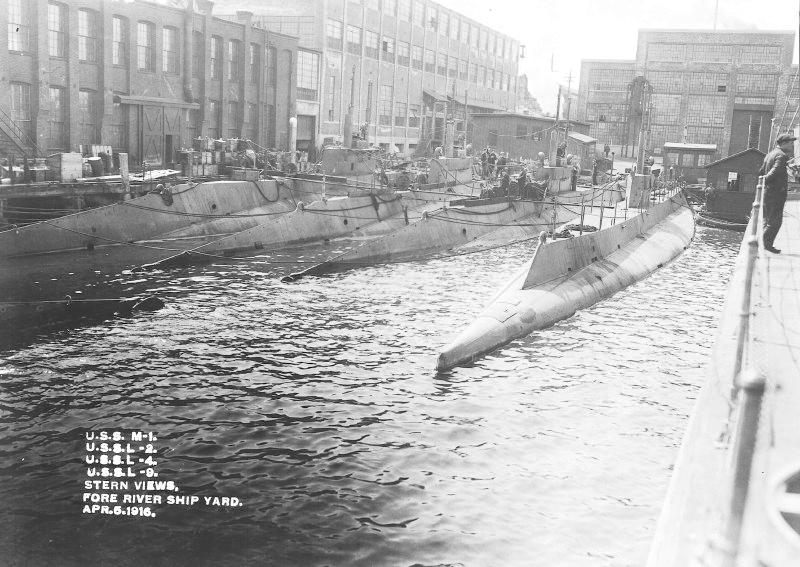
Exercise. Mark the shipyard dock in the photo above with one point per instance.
(734, 499)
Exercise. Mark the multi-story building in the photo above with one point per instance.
(732, 89)
(141, 77)
(402, 64)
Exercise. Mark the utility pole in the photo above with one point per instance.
(569, 106)
(348, 119)
(465, 120)
(555, 127)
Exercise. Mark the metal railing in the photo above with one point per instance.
(747, 394)
(16, 134)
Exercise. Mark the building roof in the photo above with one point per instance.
(522, 115)
(682, 146)
(435, 95)
(582, 138)
(718, 32)
(737, 155)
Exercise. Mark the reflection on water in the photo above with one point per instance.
(317, 404)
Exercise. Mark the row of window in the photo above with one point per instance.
(89, 46)
(415, 57)
(89, 131)
(478, 38)
(88, 110)
(714, 53)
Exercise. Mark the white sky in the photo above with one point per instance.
(607, 29)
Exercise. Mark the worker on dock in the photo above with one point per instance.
(776, 185)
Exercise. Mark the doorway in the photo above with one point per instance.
(168, 149)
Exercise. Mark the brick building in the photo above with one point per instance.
(725, 88)
(142, 77)
(403, 60)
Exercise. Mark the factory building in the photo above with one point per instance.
(144, 78)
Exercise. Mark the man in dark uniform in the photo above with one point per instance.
(776, 184)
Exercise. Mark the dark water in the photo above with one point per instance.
(316, 404)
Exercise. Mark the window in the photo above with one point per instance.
(444, 22)
(145, 43)
(233, 119)
(353, 40)
(118, 132)
(430, 61)
(462, 69)
(170, 50)
(756, 84)
(484, 40)
(482, 76)
(373, 4)
(193, 125)
(416, 56)
(254, 61)
(307, 75)
(491, 46)
(333, 33)
(56, 30)
(464, 35)
(522, 131)
(234, 58)
(454, 24)
(371, 44)
(87, 36)
(404, 10)
(18, 25)
(413, 118)
(197, 54)
(452, 67)
(272, 78)
(706, 110)
(21, 106)
(418, 14)
(385, 105)
(403, 53)
(389, 7)
(430, 17)
(213, 118)
(216, 57)
(441, 64)
(119, 41)
(387, 47)
(473, 36)
(57, 120)
(473, 72)
(501, 46)
(87, 116)
(400, 114)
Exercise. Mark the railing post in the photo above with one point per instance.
(602, 208)
(750, 394)
(583, 211)
(744, 308)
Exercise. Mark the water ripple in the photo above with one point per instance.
(317, 405)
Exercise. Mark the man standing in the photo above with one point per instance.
(776, 184)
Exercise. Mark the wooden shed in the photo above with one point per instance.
(738, 172)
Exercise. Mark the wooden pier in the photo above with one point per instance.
(734, 499)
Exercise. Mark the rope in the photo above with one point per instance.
(201, 215)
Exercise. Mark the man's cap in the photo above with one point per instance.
(783, 138)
